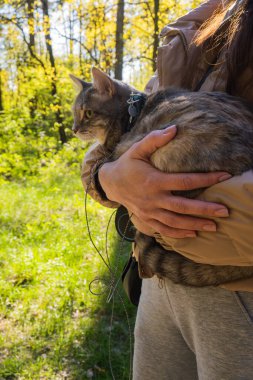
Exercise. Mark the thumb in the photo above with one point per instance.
(154, 140)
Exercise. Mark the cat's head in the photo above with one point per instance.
(100, 107)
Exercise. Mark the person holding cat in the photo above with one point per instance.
(185, 332)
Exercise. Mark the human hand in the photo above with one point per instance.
(145, 191)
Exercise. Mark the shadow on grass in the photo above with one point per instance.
(107, 341)
(80, 352)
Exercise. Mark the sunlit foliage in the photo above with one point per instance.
(41, 42)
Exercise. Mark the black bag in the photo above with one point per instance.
(131, 281)
(130, 274)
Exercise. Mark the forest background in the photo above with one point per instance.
(51, 326)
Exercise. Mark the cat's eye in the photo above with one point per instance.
(89, 114)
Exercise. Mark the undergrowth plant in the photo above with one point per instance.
(52, 326)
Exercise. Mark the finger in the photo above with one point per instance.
(154, 140)
(142, 226)
(191, 181)
(184, 222)
(170, 231)
(192, 206)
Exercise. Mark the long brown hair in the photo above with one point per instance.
(234, 34)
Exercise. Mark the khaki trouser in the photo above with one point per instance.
(185, 333)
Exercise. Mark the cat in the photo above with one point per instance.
(214, 133)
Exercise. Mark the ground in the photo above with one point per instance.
(51, 326)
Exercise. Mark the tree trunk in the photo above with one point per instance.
(156, 30)
(47, 33)
(71, 37)
(49, 48)
(118, 69)
(80, 47)
(1, 92)
(31, 46)
(31, 24)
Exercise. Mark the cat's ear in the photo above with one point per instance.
(79, 83)
(102, 82)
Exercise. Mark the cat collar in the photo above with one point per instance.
(136, 103)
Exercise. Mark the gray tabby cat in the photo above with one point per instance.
(214, 133)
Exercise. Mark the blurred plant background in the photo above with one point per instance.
(51, 326)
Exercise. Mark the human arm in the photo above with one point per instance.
(146, 192)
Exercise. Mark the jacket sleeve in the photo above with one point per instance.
(173, 55)
(93, 159)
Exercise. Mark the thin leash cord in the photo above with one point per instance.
(112, 286)
(117, 263)
(130, 336)
(112, 275)
(89, 232)
(106, 237)
(113, 283)
(110, 340)
(97, 279)
(112, 296)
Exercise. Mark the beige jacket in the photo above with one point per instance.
(232, 244)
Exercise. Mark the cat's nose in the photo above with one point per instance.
(75, 128)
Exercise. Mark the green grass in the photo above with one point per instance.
(51, 326)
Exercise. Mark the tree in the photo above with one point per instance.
(156, 31)
(1, 92)
(119, 47)
(49, 48)
(31, 24)
(114, 35)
